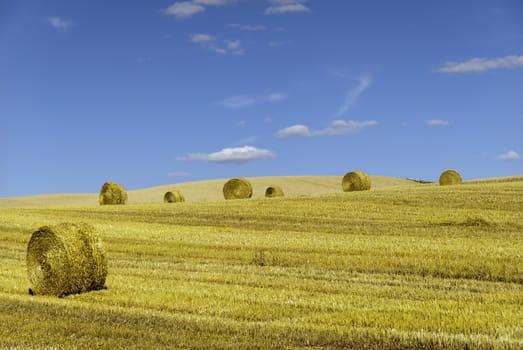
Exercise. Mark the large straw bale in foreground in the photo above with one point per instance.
(274, 191)
(450, 177)
(112, 193)
(173, 197)
(237, 189)
(356, 181)
(66, 259)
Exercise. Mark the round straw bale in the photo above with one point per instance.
(355, 181)
(173, 197)
(450, 177)
(237, 189)
(66, 259)
(274, 191)
(112, 193)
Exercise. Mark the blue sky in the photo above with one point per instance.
(147, 93)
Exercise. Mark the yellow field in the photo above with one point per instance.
(210, 190)
(404, 266)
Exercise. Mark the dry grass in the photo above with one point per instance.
(112, 193)
(237, 188)
(274, 191)
(66, 259)
(450, 177)
(211, 190)
(356, 181)
(419, 267)
(174, 196)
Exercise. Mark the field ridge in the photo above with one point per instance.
(208, 190)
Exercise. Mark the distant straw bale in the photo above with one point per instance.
(450, 177)
(112, 193)
(356, 181)
(66, 259)
(237, 189)
(174, 196)
(274, 191)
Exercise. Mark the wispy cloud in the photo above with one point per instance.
(60, 23)
(436, 122)
(183, 9)
(210, 42)
(294, 130)
(187, 9)
(336, 127)
(237, 155)
(482, 64)
(275, 97)
(251, 28)
(201, 38)
(239, 101)
(353, 95)
(233, 44)
(510, 155)
(342, 127)
(286, 6)
(214, 2)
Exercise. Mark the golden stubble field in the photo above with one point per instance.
(401, 266)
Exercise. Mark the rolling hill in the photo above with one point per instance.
(211, 190)
(404, 266)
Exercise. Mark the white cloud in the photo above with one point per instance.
(238, 101)
(213, 2)
(233, 44)
(510, 155)
(482, 64)
(218, 49)
(186, 9)
(336, 127)
(286, 2)
(60, 23)
(294, 130)
(183, 9)
(353, 95)
(252, 28)
(275, 97)
(290, 8)
(211, 43)
(236, 155)
(201, 38)
(341, 127)
(286, 6)
(436, 122)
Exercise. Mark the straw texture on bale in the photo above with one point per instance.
(173, 197)
(237, 189)
(274, 191)
(450, 177)
(66, 259)
(112, 193)
(356, 181)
